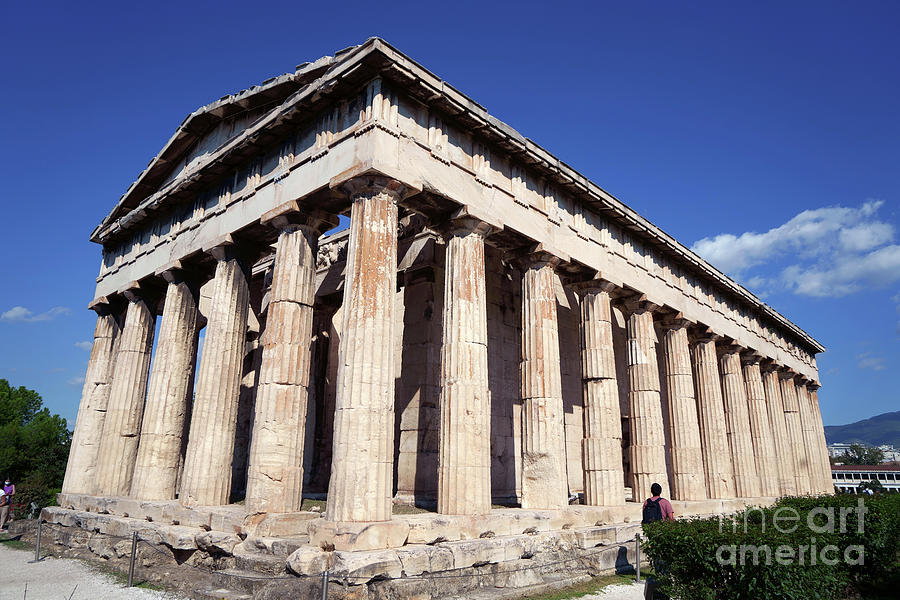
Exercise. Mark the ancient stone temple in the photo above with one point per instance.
(492, 338)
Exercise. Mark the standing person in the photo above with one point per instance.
(656, 508)
(9, 490)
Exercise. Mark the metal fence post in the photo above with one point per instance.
(37, 544)
(133, 553)
(637, 556)
(325, 585)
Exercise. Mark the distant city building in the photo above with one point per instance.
(847, 478)
(891, 454)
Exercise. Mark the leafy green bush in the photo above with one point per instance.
(795, 549)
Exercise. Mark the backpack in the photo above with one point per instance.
(652, 511)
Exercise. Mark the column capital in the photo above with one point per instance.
(675, 321)
(464, 222)
(289, 216)
(226, 248)
(639, 303)
(141, 291)
(751, 357)
(729, 346)
(106, 305)
(592, 286)
(538, 255)
(373, 185)
(703, 334)
(785, 373)
(768, 365)
(812, 386)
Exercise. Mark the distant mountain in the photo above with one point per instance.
(880, 429)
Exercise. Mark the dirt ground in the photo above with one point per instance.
(62, 579)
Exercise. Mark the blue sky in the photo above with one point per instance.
(766, 136)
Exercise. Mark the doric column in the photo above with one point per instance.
(275, 474)
(737, 423)
(544, 484)
(464, 453)
(784, 453)
(363, 449)
(206, 479)
(685, 454)
(711, 413)
(81, 470)
(810, 442)
(827, 481)
(601, 448)
(169, 396)
(648, 440)
(761, 428)
(122, 427)
(795, 432)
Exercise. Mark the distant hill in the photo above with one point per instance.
(880, 429)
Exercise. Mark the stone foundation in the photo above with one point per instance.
(206, 550)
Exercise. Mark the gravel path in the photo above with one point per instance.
(634, 591)
(56, 578)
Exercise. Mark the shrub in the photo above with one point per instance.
(754, 556)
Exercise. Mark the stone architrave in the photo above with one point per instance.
(795, 432)
(464, 452)
(825, 462)
(648, 452)
(169, 396)
(711, 413)
(810, 442)
(206, 478)
(685, 452)
(363, 448)
(737, 422)
(544, 484)
(81, 470)
(761, 428)
(783, 452)
(601, 447)
(122, 426)
(275, 474)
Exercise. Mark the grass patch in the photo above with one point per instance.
(15, 543)
(308, 503)
(406, 509)
(121, 577)
(592, 586)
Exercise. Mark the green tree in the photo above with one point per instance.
(858, 454)
(873, 485)
(34, 445)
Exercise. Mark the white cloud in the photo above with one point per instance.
(84, 345)
(867, 360)
(832, 251)
(76, 381)
(810, 234)
(23, 315)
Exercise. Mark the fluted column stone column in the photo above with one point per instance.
(122, 426)
(711, 413)
(761, 428)
(810, 441)
(363, 449)
(825, 463)
(206, 479)
(275, 474)
(601, 447)
(169, 395)
(464, 453)
(784, 453)
(795, 432)
(648, 452)
(81, 469)
(685, 453)
(737, 422)
(544, 483)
